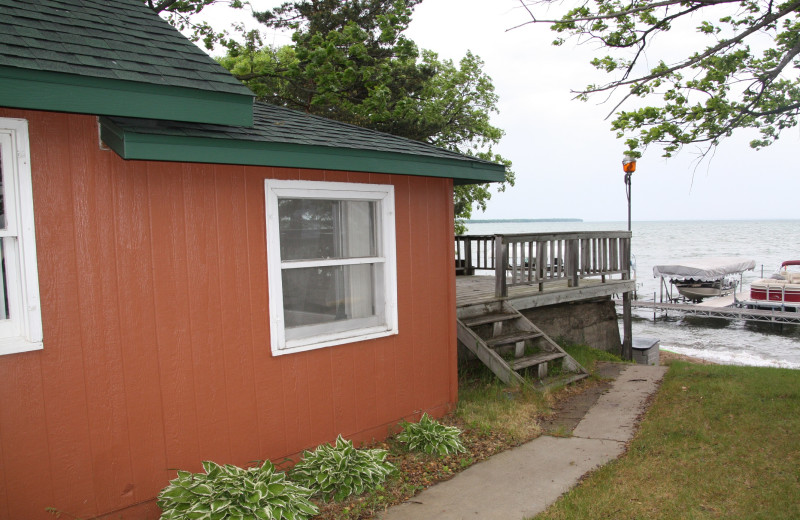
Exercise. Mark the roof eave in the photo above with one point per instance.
(154, 147)
(44, 90)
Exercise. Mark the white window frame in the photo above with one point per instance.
(360, 330)
(22, 331)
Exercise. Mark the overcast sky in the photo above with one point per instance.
(566, 159)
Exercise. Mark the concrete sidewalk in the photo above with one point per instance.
(524, 481)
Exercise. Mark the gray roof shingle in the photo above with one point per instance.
(113, 39)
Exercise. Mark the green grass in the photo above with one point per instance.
(718, 442)
(487, 405)
(588, 356)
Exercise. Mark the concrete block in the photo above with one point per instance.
(645, 350)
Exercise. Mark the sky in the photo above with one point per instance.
(568, 163)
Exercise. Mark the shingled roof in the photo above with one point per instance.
(290, 138)
(162, 98)
(116, 57)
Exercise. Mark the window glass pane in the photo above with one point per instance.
(316, 229)
(3, 283)
(2, 196)
(317, 295)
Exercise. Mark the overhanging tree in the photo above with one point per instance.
(350, 61)
(747, 75)
(181, 14)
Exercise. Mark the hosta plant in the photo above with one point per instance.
(431, 437)
(232, 493)
(336, 472)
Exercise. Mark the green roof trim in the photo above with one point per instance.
(287, 138)
(151, 147)
(43, 90)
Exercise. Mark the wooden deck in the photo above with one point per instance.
(534, 270)
(472, 290)
(524, 271)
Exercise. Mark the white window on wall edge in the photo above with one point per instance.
(331, 263)
(20, 311)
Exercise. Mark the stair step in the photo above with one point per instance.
(535, 359)
(506, 339)
(488, 318)
(499, 315)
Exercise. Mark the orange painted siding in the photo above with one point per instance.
(156, 355)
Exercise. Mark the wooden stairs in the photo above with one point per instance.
(513, 347)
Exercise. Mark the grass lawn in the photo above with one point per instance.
(718, 442)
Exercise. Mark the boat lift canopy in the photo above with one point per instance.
(704, 269)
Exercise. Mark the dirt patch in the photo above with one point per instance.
(569, 410)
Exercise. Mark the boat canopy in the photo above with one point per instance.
(704, 269)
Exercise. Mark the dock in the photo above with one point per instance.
(717, 308)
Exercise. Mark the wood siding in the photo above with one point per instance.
(156, 354)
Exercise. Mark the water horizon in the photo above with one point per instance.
(768, 242)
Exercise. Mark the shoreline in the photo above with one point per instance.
(665, 357)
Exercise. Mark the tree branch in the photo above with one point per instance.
(161, 6)
(764, 21)
(617, 14)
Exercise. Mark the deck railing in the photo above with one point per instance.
(543, 258)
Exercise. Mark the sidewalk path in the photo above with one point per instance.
(524, 481)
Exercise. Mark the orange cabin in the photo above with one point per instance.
(188, 277)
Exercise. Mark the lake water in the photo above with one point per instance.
(724, 341)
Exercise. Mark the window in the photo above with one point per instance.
(20, 314)
(331, 263)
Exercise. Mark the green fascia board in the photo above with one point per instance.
(44, 90)
(154, 147)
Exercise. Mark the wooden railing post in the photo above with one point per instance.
(500, 263)
(469, 269)
(572, 262)
(541, 263)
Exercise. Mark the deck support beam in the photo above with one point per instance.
(627, 327)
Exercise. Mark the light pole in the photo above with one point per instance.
(628, 166)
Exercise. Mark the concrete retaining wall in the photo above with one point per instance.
(592, 323)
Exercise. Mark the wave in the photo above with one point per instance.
(732, 357)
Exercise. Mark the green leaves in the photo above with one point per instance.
(229, 493)
(746, 75)
(336, 472)
(179, 14)
(350, 61)
(431, 437)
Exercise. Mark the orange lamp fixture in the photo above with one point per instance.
(629, 163)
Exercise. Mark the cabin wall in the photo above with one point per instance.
(156, 356)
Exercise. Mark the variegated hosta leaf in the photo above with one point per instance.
(231, 493)
(336, 472)
(431, 437)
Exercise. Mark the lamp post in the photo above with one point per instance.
(628, 166)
